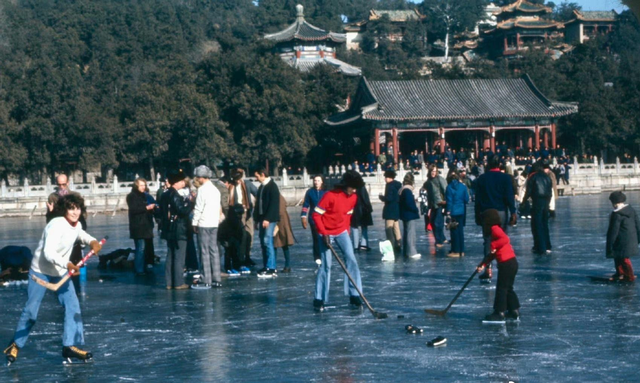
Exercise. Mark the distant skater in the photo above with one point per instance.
(623, 236)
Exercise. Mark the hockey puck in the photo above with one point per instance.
(439, 341)
(400, 316)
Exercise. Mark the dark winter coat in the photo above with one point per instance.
(362, 212)
(408, 208)
(623, 234)
(140, 219)
(436, 188)
(457, 196)
(539, 189)
(268, 201)
(174, 213)
(391, 199)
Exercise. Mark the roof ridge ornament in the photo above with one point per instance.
(300, 12)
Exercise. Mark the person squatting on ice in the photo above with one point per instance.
(50, 263)
(502, 251)
(174, 212)
(206, 218)
(332, 217)
(623, 236)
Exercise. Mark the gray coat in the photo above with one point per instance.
(623, 234)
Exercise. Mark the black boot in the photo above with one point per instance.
(495, 317)
(76, 353)
(513, 315)
(355, 301)
(318, 305)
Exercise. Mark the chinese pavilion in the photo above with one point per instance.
(398, 19)
(303, 46)
(522, 25)
(587, 24)
(514, 109)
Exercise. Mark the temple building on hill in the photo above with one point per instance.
(398, 19)
(461, 113)
(303, 46)
(587, 24)
(520, 26)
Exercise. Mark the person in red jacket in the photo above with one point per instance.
(501, 250)
(332, 217)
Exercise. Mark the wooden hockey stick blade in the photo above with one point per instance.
(435, 312)
(379, 315)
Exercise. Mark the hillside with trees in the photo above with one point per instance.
(137, 86)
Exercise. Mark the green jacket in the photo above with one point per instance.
(436, 188)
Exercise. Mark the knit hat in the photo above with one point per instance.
(176, 177)
(390, 174)
(352, 179)
(617, 197)
(203, 171)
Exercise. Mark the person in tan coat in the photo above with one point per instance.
(284, 236)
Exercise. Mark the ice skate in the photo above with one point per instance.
(12, 353)
(355, 302)
(494, 318)
(244, 270)
(267, 273)
(411, 329)
(318, 305)
(74, 355)
(513, 315)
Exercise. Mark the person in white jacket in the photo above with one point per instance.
(50, 263)
(206, 218)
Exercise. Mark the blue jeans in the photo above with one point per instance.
(457, 234)
(437, 221)
(139, 260)
(360, 236)
(324, 274)
(73, 334)
(266, 242)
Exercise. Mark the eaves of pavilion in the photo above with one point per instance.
(442, 106)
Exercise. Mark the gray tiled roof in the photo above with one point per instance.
(305, 65)
(597, 15)
(301, 30)
(450, 100)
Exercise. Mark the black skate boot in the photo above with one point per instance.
(318, 305)
(513, 315)
(494, 318)
(355, 302)
(12, 353)
(74, 355)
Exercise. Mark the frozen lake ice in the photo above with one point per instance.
(571, 329)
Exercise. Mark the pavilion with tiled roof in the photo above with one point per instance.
(522, 25)
(398, 19)
(303, 46)
(587, 24)
(483, 107)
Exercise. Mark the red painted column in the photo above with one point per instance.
(553, 136)
(529, 140)
(395, 144)
(536, 138)
(546, 139)
(487, 140)
(442, 141)
(376, 142)
(492, 132)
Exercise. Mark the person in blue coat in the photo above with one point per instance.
(409, 213)
(391, 210)
(311, 199)
(457, 196)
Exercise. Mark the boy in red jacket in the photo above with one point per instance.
(332, 217)
(501, 250)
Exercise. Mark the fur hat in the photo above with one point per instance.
(352, 179)
(202, 171)
(176, 177)
(390, 174)
(617, 197)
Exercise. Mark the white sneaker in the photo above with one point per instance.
(415, 256)
(319, 262)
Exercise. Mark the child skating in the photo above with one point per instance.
(50, 263)
(506, 305)
(623, 236)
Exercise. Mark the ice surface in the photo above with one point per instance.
(571, 329)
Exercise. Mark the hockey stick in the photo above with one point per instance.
(56, 286)
(376, 314)
(444, 312)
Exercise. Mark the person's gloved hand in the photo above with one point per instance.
(95, 246)
(73, 269)
(514, 219)
(327, 240)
